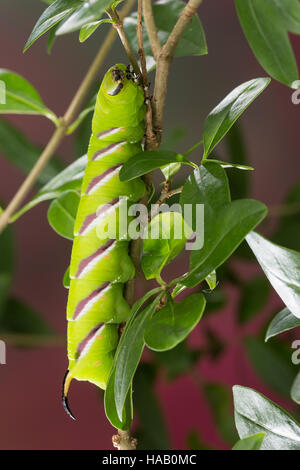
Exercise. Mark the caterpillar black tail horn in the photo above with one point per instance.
(65, 388)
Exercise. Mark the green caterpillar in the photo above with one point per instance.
(100, 266)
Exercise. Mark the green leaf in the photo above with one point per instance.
(282, 268)
(21, 319)
(268, 38)
(220, 401)
(289, 13)
(211, 280)
(295, 390)
(89, 11)
(110, 406)
(253, 442)
(273, 364)
(170, 171)
(109, 397)
(168, 233)
(238, 166)
(69, 179)
(255, 413)
(222, 118)
(22, 153)
(22, 97)
(254, 296)
(207, 185)
(87, 30)
(50, 17)
(62, 213)
(173, 323)
(283, 321)
(129, 353)
(147, 161)
(231, 224)
(166, 13)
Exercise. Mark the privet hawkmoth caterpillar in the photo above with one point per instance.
(100, 265)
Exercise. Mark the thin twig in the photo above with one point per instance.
(68, 118)
(118, 25)
(151, 28)
(165, 194)
(164, 61)
(150, 141)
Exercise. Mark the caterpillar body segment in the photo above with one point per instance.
(100, 264)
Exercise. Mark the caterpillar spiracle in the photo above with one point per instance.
(99, 265)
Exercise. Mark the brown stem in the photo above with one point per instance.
(118, 25)
(123, 441)
(61, 130)
(151, 28)
(165, 194)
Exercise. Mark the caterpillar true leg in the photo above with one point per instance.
(100, 265)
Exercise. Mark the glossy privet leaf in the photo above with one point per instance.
(282, 268)
(111, 412)
(225, 224)
(283, 321)
(87, 30)
(224, 234)
(295, 390)
(254, 296)
(22, 153)
(289, 14)
(129, 353)
(89, 11)
(255, 413)
(220, 401)
(144, 162)
(69, 179)
(211, 280)
(167, 236)
(166, 14)
(268, 38)
(50, 17)
(21, 97)
(62, 213)
(253, 442)
(273, 364)
(223, 116)
(109, 397)
(238, 166)
(173, 323)
(207, 185)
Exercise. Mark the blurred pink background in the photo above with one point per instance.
(31, 413)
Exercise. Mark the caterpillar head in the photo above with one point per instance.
(120, 80)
